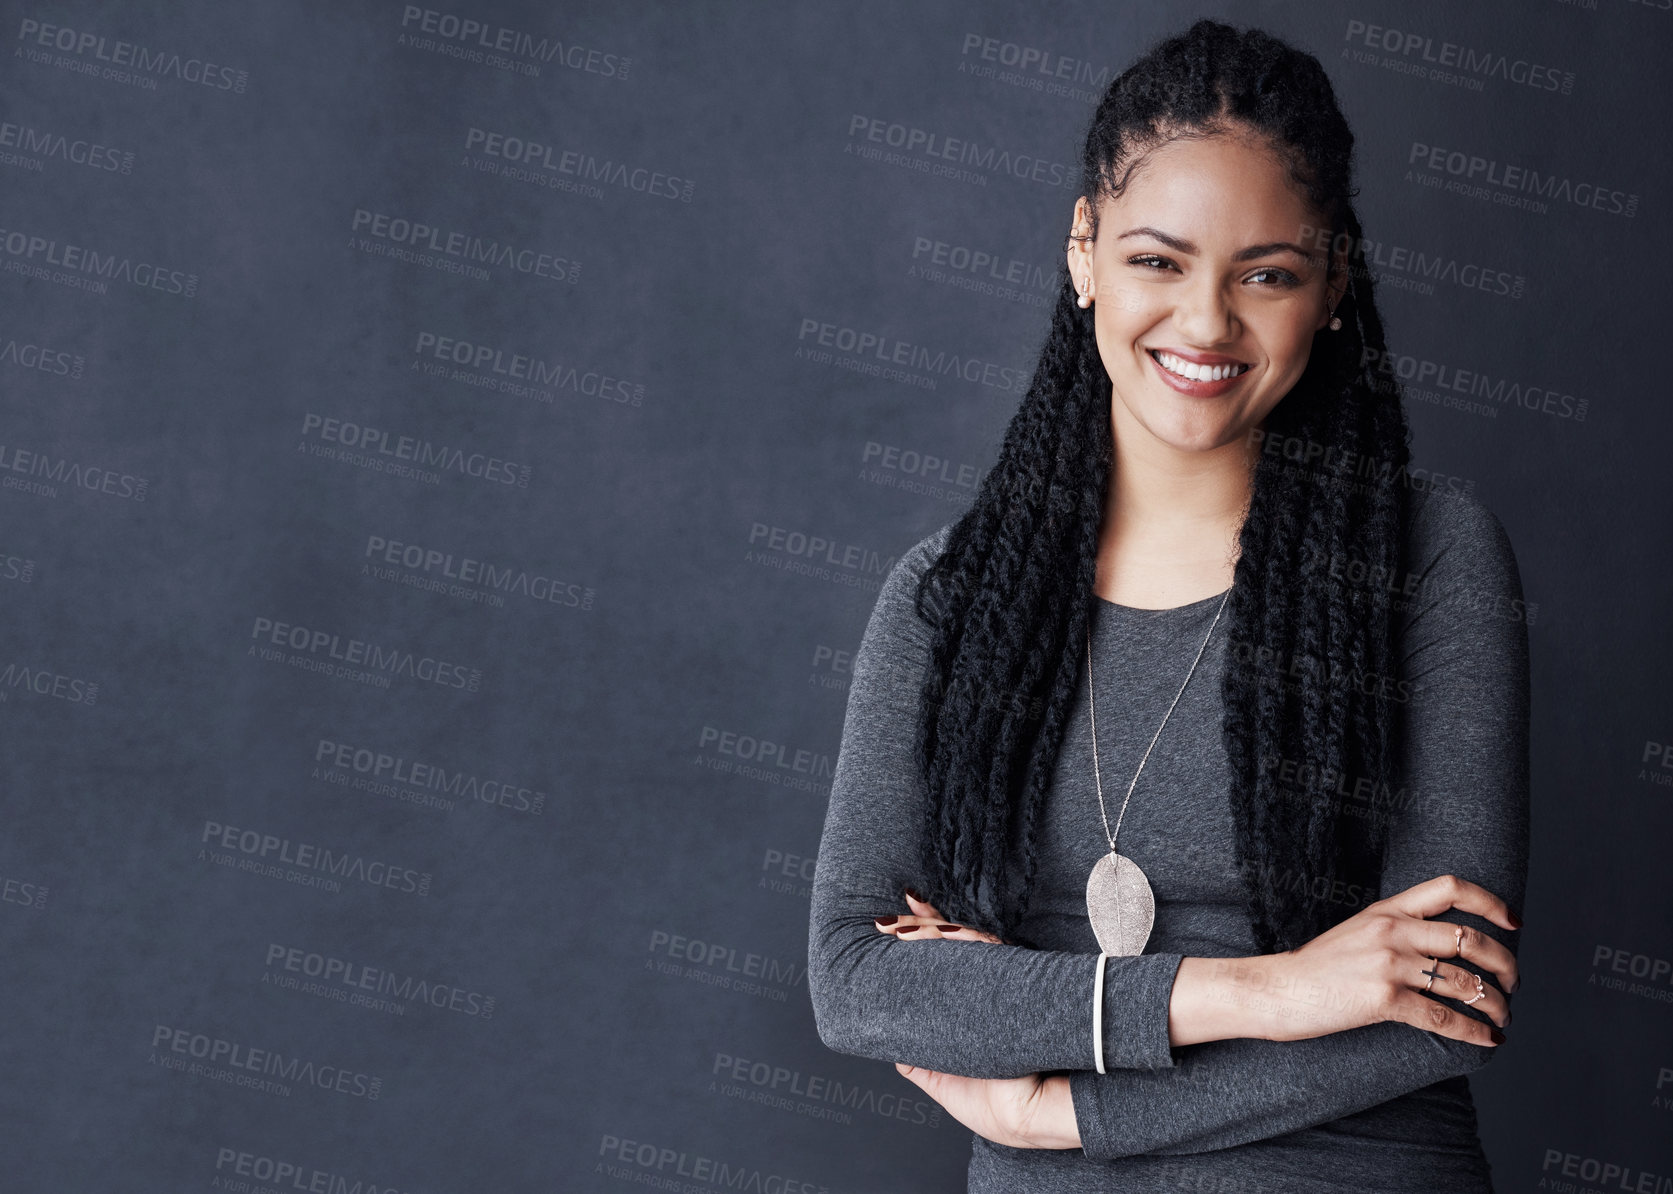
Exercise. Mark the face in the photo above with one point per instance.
(1209, 260)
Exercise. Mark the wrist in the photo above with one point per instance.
(1224, 998)
(1052, 1123)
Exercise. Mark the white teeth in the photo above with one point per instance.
(1195, 372)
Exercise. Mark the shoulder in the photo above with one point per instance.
(1461, 589)
(1452, 537)
(909, 568)
(895, 613)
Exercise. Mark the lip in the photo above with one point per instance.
(1198, 389)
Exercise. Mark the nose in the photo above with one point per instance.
(1203, 313)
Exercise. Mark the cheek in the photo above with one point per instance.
(1120, 323)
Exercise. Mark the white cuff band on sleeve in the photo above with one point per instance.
(1098, 1014)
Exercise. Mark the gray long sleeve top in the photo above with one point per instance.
(1381, 1107)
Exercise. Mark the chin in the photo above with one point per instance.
(1190, 435)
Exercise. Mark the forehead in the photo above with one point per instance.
(1218, 189)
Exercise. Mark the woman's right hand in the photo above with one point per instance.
(1373, 966)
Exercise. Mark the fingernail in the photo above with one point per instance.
(1498, 1037)
(908, 928)
(885, 920)
(1515, 920)
(913, 894)
(948, 928)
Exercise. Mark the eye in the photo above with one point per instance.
(1150, 260)
(1280, 277)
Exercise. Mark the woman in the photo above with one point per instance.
(1200, 618)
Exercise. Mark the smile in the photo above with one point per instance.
(1191, 371)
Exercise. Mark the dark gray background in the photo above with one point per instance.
(668, 511)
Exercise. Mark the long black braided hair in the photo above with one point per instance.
(1310, 647)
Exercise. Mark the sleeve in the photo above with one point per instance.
(961, 1007)
(1461, 808)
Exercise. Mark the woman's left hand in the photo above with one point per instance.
(927, 924)
(1033, 1111)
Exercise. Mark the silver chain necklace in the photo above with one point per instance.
(1119, 901)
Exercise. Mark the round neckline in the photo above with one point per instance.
(1166, 609)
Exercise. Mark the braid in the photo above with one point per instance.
(1010, 596)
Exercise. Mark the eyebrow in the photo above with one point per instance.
(1184, 246)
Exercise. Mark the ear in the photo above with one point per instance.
(1079, 254)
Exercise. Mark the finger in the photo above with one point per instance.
(923, 928)
(1452, 981)
(910, 925)
(1443, 939)
(923, 908)
(1458, 982)
(1410, 1007)
(1434, 896)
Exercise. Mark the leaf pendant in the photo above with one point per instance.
(1120, 904)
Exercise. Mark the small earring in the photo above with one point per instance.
(1335, 323)
(1085, 299)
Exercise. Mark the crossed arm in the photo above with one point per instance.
(995, 1011)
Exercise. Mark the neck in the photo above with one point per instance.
(1158, 489)
(1171, 518)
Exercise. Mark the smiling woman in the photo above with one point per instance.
(1200, 562)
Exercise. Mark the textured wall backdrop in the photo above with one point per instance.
(448, 456)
